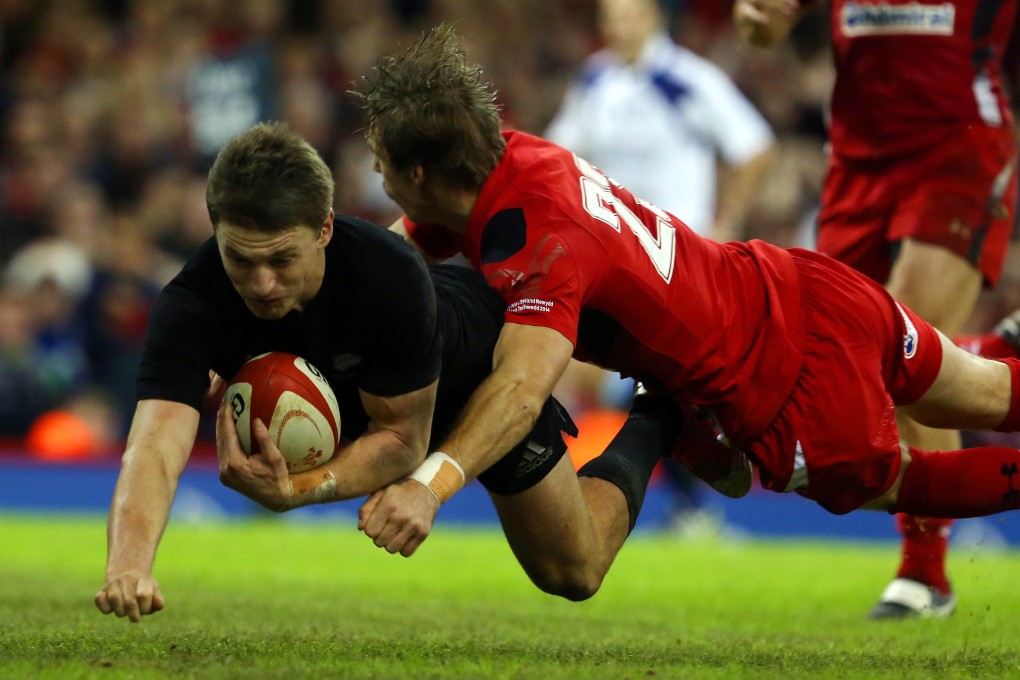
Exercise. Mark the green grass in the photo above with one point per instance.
(273, 599)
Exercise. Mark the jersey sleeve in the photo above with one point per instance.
(404, 349)
(178, 348)
(435, 241)
(541, 284)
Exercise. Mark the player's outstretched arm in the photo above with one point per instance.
(161, 438)
(527, 363)
(765, 23)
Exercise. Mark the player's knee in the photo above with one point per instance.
(574, 584)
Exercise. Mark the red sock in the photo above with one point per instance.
(1012, 421)
(965, 483)
(989, 345)
(925, 542)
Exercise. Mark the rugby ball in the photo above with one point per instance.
(294, 401)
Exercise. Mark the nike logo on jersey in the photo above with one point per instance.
(908, 19)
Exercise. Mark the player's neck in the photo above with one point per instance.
(454, 207)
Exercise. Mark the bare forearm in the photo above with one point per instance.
(138, 514)
(372, 461)
(498, 416)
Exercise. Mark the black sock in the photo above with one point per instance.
(629, 460)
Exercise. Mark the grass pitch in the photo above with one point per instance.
(274, 599)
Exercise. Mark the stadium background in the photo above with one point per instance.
(112, 110)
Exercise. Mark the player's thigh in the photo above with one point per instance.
(549, 522)
(958, 198)
(937, 283)
(970, 392)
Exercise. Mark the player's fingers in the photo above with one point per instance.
(366, 510)
(102, 601)
(157, 601)
(267, 447)
(393, 538)
(381, 526)
(412, 544)
(224, 428)
(216, 385)
(118, 602)
(144, 600)
(380, 529)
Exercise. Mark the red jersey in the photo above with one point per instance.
(632, 287)
(909, 71)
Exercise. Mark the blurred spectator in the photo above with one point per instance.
(28, 386)
(86, 426)
(53, 274)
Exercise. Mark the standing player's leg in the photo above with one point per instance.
(942, 288)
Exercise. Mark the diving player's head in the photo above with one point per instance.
(431, 121)
(269, 197)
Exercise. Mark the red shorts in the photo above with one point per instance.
(835, 439)
(960, 194)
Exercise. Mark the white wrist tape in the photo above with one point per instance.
(441, 475)
(310, 487)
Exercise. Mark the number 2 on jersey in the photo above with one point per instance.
(600, 202)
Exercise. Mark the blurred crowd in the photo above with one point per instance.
(111, 112)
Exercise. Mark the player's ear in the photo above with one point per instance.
(418, 175)
(326, 230)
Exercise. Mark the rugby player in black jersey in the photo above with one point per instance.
(402, 345)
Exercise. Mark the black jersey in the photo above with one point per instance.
(378, 323)
(374, 324)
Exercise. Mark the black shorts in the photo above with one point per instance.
(470, 316)
(529, 462)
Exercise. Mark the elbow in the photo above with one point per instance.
(407, 456)
(528, 408)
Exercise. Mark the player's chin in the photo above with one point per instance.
(268, 311)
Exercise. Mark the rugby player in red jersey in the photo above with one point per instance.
(797, 359)
(920, 192)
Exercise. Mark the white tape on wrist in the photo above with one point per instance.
(310, 487)
(441, 475)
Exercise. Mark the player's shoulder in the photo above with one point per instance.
(364, 255)
(359, 241)
(357, 237)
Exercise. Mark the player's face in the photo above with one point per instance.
(400, 185)
(274, 273)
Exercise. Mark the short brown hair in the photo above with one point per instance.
(430, 107)
(269, 179)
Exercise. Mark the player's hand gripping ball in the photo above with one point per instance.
(294, 401)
